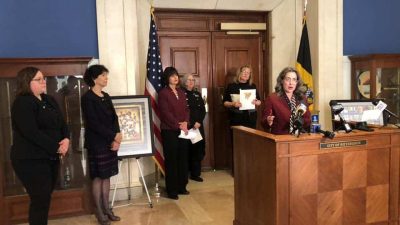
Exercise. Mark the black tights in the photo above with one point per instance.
(101, 192)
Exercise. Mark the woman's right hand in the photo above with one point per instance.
(236, 104)
(270, 120)
(118, 137)
(183, 126)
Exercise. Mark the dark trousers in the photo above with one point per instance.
(176, 161)
(196, 155)
(39, 178)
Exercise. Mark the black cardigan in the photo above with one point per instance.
(101, 121)
(38, 127)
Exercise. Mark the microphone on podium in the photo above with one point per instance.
(336, 110)
(326, 133)
(298, 121)
(376, 103)
(301, 109)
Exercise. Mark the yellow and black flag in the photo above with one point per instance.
(303, 65)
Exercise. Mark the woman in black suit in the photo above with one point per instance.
(102, 139)
(197, 113)
(40, 137)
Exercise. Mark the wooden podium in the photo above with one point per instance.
(311, 180)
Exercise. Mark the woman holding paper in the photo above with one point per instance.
(280, 107)
(197, 113)
(174, 116)
(238, 116)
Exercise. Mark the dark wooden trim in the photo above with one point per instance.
(9, 67)
(63, 203)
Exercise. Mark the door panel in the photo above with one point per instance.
(229, 53)
(189, 52)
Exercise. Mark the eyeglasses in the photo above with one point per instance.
(42, 79)
(288, 79)
(191, 79)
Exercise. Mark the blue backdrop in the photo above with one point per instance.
(48, 28)
(55, 28)
(371, 26)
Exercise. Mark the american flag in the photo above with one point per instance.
(153, 86)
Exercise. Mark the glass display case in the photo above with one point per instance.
(65, 83)
(377, 76)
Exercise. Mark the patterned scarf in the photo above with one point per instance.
(292, 106)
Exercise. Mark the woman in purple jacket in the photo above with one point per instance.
(280, 107)
(174, 119)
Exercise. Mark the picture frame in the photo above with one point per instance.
(135, 122)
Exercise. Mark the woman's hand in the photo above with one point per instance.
(64, 145)
(270, 120)
(236, 104)
(118, 137)
(197, 125)
(256, 102)
(183, 126)
(115, 146)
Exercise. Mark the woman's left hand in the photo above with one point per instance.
(115, 146)
(256, 102)
(64, 145)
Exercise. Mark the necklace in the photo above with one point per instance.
(175, 93)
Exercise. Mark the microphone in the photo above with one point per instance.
(326, 133)
(298, 121)
(336, 110)
(375, 103)
(301, 109)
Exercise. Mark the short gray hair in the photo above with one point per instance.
(184, 79)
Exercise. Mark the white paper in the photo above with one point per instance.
(246, 98)
(373, 114)
(191, 134)
(198, 136)
(235, 97)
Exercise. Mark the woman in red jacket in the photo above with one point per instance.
(280, 107)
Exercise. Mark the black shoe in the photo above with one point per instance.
(173, 196)
(112, 217)
(184, 192)
(198, 179)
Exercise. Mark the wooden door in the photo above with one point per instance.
(189, 52)
(229, 53)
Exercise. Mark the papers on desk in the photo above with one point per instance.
(375, 113)
(194, 135)
(246, 98)
(370, 115)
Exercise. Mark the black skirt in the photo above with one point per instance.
(103, 163)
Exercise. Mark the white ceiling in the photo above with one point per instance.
(258, 5)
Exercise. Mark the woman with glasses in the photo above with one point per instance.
(40, 138)
(279, 114)
(197, 113)
(243, 81)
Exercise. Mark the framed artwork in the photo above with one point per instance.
(134, 117)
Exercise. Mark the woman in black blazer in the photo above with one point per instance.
(102, 139)
(40, 137)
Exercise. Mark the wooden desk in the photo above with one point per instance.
(284, 180)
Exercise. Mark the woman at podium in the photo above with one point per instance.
(286, 109)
